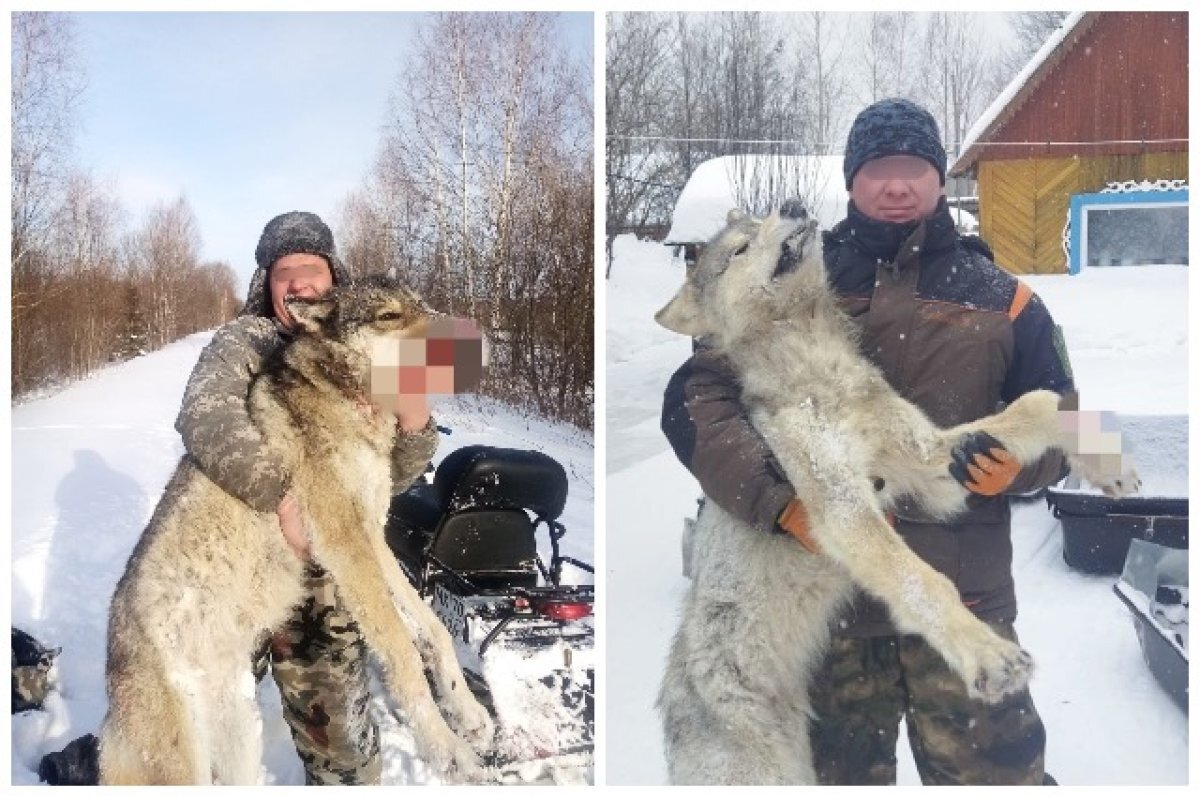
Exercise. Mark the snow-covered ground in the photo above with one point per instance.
(88, 466)
(1107, 719)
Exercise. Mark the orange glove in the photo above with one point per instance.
(794, 520)
(983, 465)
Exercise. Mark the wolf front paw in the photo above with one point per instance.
(1004, 670)
(1120, 486)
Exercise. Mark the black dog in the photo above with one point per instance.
(31, 664)
(76, 765)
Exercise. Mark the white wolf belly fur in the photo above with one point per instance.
(756, 619)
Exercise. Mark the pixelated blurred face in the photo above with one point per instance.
(300, 274)
(448, 356)
(1095, 436)
(898, 188)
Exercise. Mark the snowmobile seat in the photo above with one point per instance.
(418, 506)
(484, 477)
(412, 518)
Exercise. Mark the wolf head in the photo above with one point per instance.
(369, 307)
(378, 341)
(337, 334)
(736, 276)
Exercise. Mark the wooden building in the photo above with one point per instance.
(1104, 102)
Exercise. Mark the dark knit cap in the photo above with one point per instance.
(893, 127)
(289, 234)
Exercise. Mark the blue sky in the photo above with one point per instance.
(246, 114)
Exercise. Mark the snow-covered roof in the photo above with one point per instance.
(712, 191)
(1018, 90)
(964, 220)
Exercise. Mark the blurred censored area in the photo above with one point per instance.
(449, 358)
(1096, 436)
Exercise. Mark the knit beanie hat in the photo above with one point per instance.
(893, 127)
(289, 234)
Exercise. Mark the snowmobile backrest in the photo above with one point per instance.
(490, 547)
(483, 477)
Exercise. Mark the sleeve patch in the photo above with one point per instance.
(1060, 346)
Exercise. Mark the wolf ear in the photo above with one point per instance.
(311, 314)
(734, 216)
(683, 314)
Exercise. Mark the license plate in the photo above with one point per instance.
(452, 611)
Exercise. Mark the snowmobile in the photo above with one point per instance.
(466, 537)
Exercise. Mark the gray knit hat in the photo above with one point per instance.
(893, 127)
(289, 234)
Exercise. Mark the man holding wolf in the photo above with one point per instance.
(318, 659)
(958, 337)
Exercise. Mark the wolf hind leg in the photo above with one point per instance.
(736, 736)
(151, 736)
(236, 730)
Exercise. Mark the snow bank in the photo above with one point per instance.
(644, 277)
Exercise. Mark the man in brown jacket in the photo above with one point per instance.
(959, 338)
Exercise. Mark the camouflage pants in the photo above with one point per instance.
(319, 662)
(866, 685)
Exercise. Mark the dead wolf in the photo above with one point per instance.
(756, 620)
(210, 575)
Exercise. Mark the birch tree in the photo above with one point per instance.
(885, 55)
(489, 114)
(638, 166)
(955, 70)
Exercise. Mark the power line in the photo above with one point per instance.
(1142, 141)
(679, 140)
(703, 140)
(651, 183)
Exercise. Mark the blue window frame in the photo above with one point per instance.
(1135, 226)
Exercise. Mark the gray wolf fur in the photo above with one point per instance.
(210, 575)
(756, 619)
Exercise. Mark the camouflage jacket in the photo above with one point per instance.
(214, 421)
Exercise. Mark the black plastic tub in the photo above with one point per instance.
(1097, 529)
